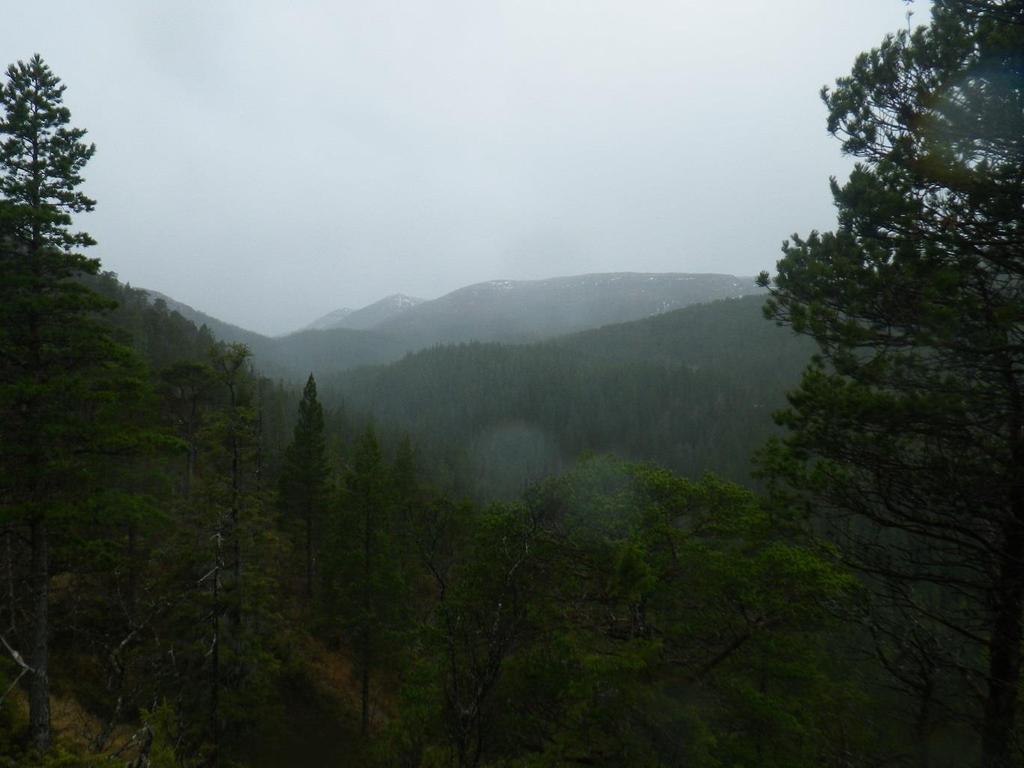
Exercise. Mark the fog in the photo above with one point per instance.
(269, 162)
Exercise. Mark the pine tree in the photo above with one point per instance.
(909, 431)
(61, 375)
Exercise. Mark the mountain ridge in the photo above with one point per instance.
(531, 310)
(514, 311)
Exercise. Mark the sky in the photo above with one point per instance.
(268, 162)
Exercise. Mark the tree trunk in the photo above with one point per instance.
(365, 640)
(236, 544)
(215, 660)
(39, 685)
(39, 573)
(309, 551)
(923, 725)
(9, 575)
(1004, 651)
(1004, 654)
(133, 571)
(190, 465)
(364, 724)
(193, 449)
(259, 435)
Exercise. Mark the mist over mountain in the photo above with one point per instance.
(331, 320)
(369, 316)
(222, 330)
(691, 389)
(525, 310)
(498, 310)
(511, 380)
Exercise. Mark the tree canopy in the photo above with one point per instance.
(907, 432)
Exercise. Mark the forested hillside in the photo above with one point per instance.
(292, 356)
(692, 390)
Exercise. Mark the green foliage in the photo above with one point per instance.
(365, 595)
(304, 479)
(623, 615)
(71, 397)
(162, 726)
(63, 379)
(905, 434)
(41, 160)
(304, 475)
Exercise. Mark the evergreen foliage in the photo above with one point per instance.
(905, 435)
(691, 389)
(304, 476)
(66, 388)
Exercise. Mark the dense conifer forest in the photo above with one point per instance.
(780, 530)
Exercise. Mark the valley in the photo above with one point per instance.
(430, 516)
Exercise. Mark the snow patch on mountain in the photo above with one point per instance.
(368, 316)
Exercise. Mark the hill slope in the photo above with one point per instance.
(295, 355)
(692, 389)
(506, 310)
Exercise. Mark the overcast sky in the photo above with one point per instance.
(270, 162)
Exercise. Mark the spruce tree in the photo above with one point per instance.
(304, 477)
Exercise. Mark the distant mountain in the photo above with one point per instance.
(380, 312)
(333, 319)
(499, 310)
(529, 310)
(368, 317)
